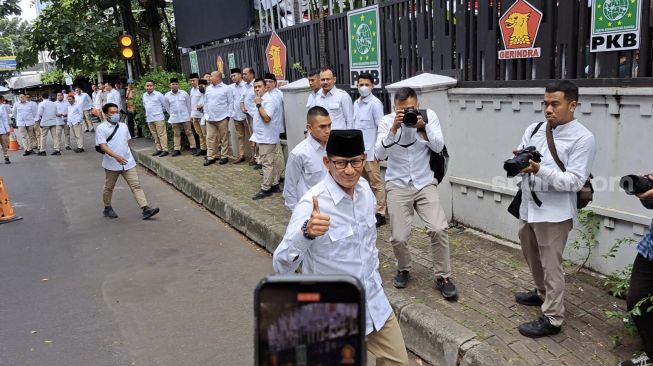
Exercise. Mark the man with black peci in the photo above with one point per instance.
(549, 202)
(407, 140)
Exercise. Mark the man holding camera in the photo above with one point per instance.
(549, 202)
(407, 139)
(332, 231)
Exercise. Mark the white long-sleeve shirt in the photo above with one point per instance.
(178, 106)
(348, 247)
(154, 104)
(86, 103)
(237, 90)
(266, 132)
(248, 98)
(47, 114)
(339, 105)
(62, 109)
(114, 97)
(576, 149)
(218, 102)
(196, 98)
(310, 102)
(25, 113)
(75, 113)
(304, 169)
(368, 113)
(406, 164)
(97, 99)
(4, 122)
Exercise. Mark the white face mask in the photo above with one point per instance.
(364, 91)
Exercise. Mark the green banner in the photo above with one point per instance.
(615, 15)
(194, 65)
(231, 59)
(364, 43)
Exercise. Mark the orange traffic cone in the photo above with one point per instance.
(13, 142)
(7, 213)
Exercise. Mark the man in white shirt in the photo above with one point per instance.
(334, 100)
(314, 84)
(24, 116)
(74, 119)
(240, 118)
(305, 167)
(248, 106)
(543, 229)
(4, 134)
(49, 123)
(62, 113)
(178, 106)
(154, 105)
(410, 186)
(266, 136)
(196, 111)
(118, 161)
(218, 105)
(279, 160)
(332, 231)
(368, 112)
(113, 95)
(97, 102)
(86, 105)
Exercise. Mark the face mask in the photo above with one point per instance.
(364, 91)
(114, 118)
(202, 89)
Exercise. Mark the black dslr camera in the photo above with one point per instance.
(636, 184)
(520, 161)
(410, 117)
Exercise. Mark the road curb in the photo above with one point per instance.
(428, 333)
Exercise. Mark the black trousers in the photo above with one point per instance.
(641, 286)
(131, 125)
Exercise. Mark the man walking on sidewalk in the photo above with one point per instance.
(4, 134)
(62, 117)
(411, 186)
(74, 120)
(113, 138)
(48, 122)
(218, 105)
(86, 105)
(24, 113)
(178, 107)
(266, 136)
(544, 227)
(154, 104)
(196, 111)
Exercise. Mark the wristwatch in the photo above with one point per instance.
(258, 105)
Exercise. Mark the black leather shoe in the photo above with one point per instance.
(541, 327)
(81, 149)
(530, 298)
(258, 166)
(446, 288)
(262, 194)
(110, 213)
(401, 279)
(275, 189)
(209, 162)
(164, 153)
(68, 148)
(56, 152)
(27, 152)
(149, 212)
(7, 161)
(223, 161)
(380, 220)
(157, 153)
(197, 152)
(176, 153)
(41, 153)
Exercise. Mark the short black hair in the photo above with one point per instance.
(45, 95)
(259, 79)
(110, 83)
(366, 76)
(105, 108)
(316, 111)
(314, 72)
(328, 68)
(567, 87)
(150, 81)
(250, 70)
(404, 93)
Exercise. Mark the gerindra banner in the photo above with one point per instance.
(519, 27)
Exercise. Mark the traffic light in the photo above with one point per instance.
(126, 46)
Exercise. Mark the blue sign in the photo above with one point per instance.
(8, 63)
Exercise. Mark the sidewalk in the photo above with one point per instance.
(480, 329)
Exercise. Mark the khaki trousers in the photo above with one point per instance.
(217, 132)
(372, 173)
(267, 155)
(76, 132)
(176, 129)
(159, 134)
(37, 133)
(387, 344)
(542, 244)
(200, 132)
(29, 137)
(64, 135)
(87, 120)
(243, 132)
(54, 131)
(131, 177)
(4, 142)
(403, 202)
(279, 163)
(253, 146)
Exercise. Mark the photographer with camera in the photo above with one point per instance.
(550, 202)
(406, 138)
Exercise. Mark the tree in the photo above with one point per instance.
(9, 7)
(14, 43)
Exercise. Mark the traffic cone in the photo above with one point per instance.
(13, 141)
(7, 213)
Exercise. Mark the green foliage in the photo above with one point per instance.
(12, 42)
(9, 7)
(618, 282)
(300, 69)
(586, 234)
(53, 77)
(614, 249)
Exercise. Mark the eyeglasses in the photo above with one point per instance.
(342, 164)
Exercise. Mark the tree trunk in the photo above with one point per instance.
(322, 33)
(297, 11)
(158, 58)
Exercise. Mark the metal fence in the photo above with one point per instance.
(459, 38)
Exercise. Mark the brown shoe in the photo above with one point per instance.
(239, 160)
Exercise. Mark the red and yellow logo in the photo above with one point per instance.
(276, 56)
(220, 65)
(519, 26)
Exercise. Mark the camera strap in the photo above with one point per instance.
(531, 182)
(424, 114)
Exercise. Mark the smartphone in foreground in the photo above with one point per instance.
(309, 321)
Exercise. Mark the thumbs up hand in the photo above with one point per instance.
(319, 223)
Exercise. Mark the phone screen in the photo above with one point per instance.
(310, 322)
